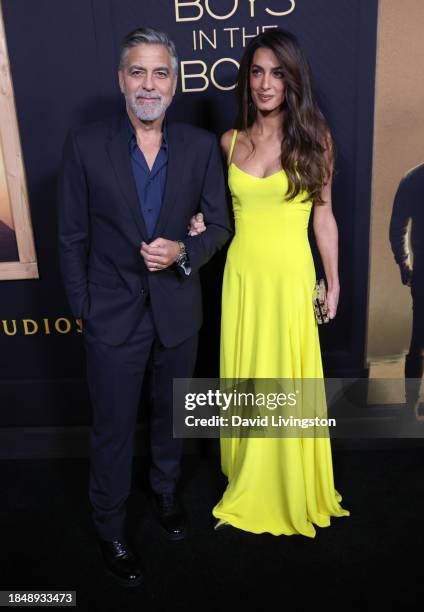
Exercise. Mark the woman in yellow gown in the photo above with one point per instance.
(280, 166)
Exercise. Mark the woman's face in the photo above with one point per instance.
(266, 80)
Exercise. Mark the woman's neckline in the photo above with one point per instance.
(261, 178)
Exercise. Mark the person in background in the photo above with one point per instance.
(407, 227)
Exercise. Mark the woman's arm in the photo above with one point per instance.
(327, 237)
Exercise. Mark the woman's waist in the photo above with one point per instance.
(271, 235)
(284, 249)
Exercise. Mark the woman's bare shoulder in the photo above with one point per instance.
(225, 141)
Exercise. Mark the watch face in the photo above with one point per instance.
(182, 260)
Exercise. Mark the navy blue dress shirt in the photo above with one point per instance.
(150, 183)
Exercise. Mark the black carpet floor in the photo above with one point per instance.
(373, 559)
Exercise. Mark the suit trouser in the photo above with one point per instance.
(414, 360)
(115, 376)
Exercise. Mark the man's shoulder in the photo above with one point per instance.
(97, 129)
(415, 174)
(190, 132)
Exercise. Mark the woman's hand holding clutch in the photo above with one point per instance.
(325, 301)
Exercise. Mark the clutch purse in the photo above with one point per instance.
(319, 299)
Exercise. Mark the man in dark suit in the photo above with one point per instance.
(127, 191)
(407, 226)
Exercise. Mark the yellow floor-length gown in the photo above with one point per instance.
(268, 330)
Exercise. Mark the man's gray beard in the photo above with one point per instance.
(146, 114)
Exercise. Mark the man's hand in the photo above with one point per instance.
(197, 225)
(406, 273)
(159, 254)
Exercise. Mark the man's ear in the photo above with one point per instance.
(121, 81)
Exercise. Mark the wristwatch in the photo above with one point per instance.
(182, 257)
(182, 261)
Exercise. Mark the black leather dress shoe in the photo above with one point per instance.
(121, 562)
(170, 515)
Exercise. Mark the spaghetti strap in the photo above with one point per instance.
(231, 151)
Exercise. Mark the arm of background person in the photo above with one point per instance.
(398, 230)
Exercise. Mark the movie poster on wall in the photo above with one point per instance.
(398, 153)
(17, 251)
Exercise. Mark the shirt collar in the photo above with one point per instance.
(132, 138)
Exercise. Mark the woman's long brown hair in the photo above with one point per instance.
(307, 147)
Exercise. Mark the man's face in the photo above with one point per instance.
(148, 81)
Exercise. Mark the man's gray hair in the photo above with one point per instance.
(148, 36)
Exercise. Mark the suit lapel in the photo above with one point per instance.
(174, 174)
(118, 150)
